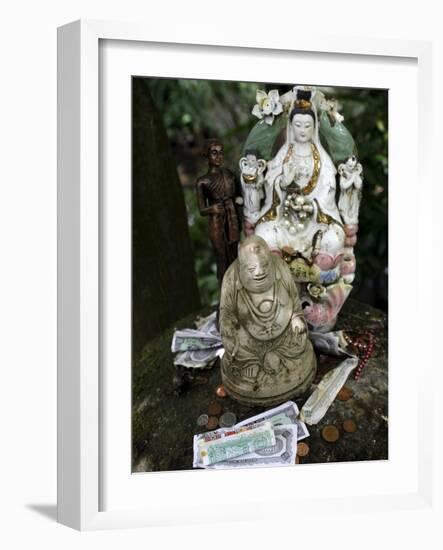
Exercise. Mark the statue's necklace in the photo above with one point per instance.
(268, 306)
(310, 186)
(265, 306)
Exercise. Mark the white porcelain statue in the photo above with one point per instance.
(291, 198)
(351, 182)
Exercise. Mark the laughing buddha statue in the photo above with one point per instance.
(268, 356)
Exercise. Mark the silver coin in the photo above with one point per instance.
(202, 420)
(227, 420)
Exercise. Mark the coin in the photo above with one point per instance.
(214, 409)
(212, 423)
(227, 420)
(302, 449)
(202, 420)
(344, 394)
(330, 433)
(220, 391)
(200, 380)
(349, 426)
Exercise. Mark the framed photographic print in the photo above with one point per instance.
(227, 216)
(305, 227)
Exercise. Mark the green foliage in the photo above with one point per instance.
(366, 117)
(195, 110)
(204, 258)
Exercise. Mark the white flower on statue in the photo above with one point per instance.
(316, 290)
(331, 107)
(268, 106)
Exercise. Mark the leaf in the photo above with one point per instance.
(337, 139)
(263, 136)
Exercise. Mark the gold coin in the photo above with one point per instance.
(349, 426)
(212, 423)
(344, 394)
(302, 449)
(330, 433)
(214, 409)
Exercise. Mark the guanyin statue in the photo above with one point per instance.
(292, 200)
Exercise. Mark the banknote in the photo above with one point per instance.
(208, 324)
(240, 442)
(194, 333)
(189, 339)
(324, 394)
(220, 433)
(284, 414)
(282, 453)
(198, 359)
(198, 348)
(329, 343)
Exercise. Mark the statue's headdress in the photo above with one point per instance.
(302, 103)
(252, 151)
(303, 99)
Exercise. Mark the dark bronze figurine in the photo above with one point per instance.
(219, 198)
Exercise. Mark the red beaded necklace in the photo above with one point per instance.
(363, 342)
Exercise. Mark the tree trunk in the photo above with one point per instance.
(164, 282)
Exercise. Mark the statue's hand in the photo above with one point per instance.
(217, 208)
(298, 324)
(288, 174)
(229, 333)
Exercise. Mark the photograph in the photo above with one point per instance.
(259, 274)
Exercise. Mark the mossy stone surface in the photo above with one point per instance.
(164, 423)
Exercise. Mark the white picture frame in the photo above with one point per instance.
(82, 441)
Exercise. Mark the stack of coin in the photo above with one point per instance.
(214, 410)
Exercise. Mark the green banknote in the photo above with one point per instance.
(237, 444)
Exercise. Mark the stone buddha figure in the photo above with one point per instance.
(268, 356)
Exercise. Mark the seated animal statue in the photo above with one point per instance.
(252, 181)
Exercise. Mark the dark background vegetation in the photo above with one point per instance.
(195, 110)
